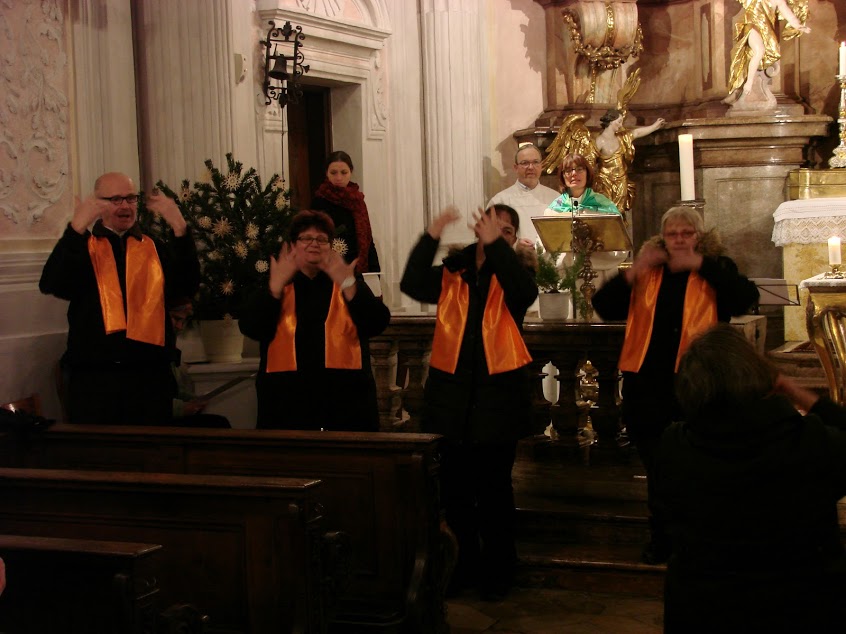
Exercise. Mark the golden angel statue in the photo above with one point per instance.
(756, 46)
(611, 151)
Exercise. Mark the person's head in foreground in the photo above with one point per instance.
(722, 373)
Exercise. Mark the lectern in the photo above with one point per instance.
(585, 233)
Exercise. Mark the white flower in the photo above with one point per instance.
(222, 227)
(261, 266)
(231, 181)
(281, 201)
(252, 231)
(227, 287)
(241, 250)
(205, 222)
(339, 245)
(278, 183)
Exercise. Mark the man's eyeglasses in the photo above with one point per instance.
(116, 200)
(307, 240)
(525, 164)
(672, 235)
(574, 170)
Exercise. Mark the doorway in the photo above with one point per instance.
(309, 142)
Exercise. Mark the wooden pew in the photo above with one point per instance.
(76, 585)
(245, 551)
(379, 488)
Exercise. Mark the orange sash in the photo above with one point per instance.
(699, 314)
(144, 316)
(504, 347)
(343, 349)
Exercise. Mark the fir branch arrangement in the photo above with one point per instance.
(237, 225)
(554, 277)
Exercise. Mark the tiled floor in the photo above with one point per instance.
(544, 611)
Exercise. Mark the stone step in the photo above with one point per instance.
(584, 522)
(609, 568)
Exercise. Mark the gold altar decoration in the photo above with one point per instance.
(839, 158)
(826, 321)
(584, 233)
(611, 150)
(805, 183)
(606, 34)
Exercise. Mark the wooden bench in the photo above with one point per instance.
(379, 488)
(74, 585)
(245, 551)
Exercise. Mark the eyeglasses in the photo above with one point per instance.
(525, 164)
(672, 235)
(574, 170)
(116, 200)
(307, 240)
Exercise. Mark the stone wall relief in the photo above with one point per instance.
(34, 113)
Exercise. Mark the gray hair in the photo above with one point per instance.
(526, 146)
(688, 215)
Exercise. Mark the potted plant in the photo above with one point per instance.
(557, 284)
(237, 225)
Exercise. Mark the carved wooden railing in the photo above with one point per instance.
(400, 358)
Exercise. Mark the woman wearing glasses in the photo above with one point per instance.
(313, 322)
(679, 285)
(344, 202)
(576, 176)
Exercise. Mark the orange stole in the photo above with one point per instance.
(342, 347)
(505, 349)
(144, 317)
(699, 314)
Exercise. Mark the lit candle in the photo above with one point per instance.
(834, 251)
(688, 189)
(842, 51)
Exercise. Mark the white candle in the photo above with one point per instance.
(842, 64)
(834, 251)
(688, 189)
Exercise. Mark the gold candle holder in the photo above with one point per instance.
(839, 158)
(835, 273)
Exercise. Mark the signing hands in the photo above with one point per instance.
(164, 206)
(282, 269)
(488, 227)
(86, 211)
(334, 265)
(447, 217)
(651, 256)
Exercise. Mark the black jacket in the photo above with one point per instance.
(751, 497)
(345, 230)
(313, 396)
(69, 274)
(473, 405)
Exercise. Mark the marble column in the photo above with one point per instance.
(186, 81)
(452, 81)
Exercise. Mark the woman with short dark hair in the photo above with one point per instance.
(750, 488)
(576, 175)
(313, 322)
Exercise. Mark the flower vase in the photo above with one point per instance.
(222, 340)
(554, 306)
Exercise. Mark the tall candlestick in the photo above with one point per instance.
(834, 251)
(688, 189)
(842, 65)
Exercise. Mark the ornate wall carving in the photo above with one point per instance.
(34, 115)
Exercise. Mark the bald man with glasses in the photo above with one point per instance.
(527, 196)
(116, 278)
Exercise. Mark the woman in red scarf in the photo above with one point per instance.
(344, 203)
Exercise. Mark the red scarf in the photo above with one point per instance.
(351, 198)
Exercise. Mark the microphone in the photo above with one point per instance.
(575, 206)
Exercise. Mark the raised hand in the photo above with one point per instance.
(649, 258)
(282, 269)
(686, 261)
(167, 209)
(487, 227)
(449, 215)
(87, 211)
(334, 265)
